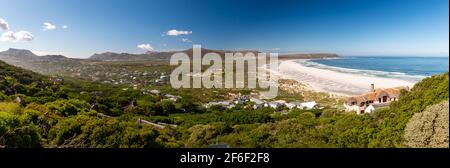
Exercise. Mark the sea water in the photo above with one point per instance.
(407, 68)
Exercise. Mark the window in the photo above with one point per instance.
(385, 98)
(362, 104)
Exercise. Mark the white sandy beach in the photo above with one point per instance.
(335, 82)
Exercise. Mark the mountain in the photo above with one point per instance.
(43, 64)
(17, 54)
(166, 55)
(55, 58)
(153, 55)
(27, 55)
(111, 56)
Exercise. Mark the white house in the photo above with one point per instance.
(155, 92)
(274, 104)
(172, 97)
(290, 105)
(369, 109)
(307, 105)
(225, 104)
(258, 103)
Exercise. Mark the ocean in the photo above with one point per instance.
(407, 68)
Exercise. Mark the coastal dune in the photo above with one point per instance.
(335, 82)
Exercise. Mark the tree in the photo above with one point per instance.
(68, 107)
(16, 131)
(429, 129)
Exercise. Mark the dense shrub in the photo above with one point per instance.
(429, 129)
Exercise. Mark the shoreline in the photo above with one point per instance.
(338, 83)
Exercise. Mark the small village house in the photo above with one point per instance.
(307, 105)
(368, 102)
(258, 103)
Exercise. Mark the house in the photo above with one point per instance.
(231, 106)
(274, 105)
(162, 79)
(238, 99)
(172, 97)
(222, 103)
(258, 103)
(369, 109)
(302, 105)
(280, 101)
(375, 98)
(307, 105)
(156, 92)
(225, 104)
(18, 100)
(290, 105)
(94, 106)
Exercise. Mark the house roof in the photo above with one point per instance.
(371, 96)
(374, 95)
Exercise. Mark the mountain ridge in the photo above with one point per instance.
(18, 54)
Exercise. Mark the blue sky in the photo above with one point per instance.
(346, 27)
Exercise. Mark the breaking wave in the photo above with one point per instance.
(372, 73)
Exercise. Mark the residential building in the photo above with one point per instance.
(367, 102)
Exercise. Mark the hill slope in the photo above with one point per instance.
(47, 64)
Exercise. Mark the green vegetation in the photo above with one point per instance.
(429, 128)
(41, 111)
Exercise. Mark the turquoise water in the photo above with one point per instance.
(409, 68)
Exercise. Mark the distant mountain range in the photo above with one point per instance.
(51, 64)
(43, 64)
(27, 55)
(111, 56)
(150, 55)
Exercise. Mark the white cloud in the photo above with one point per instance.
(186, 40)
(21, 36)
(174, 32)
(3, 24)
(147, 47)
(24, 36)
(48, 26)
(8, 36)
(64, 26)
